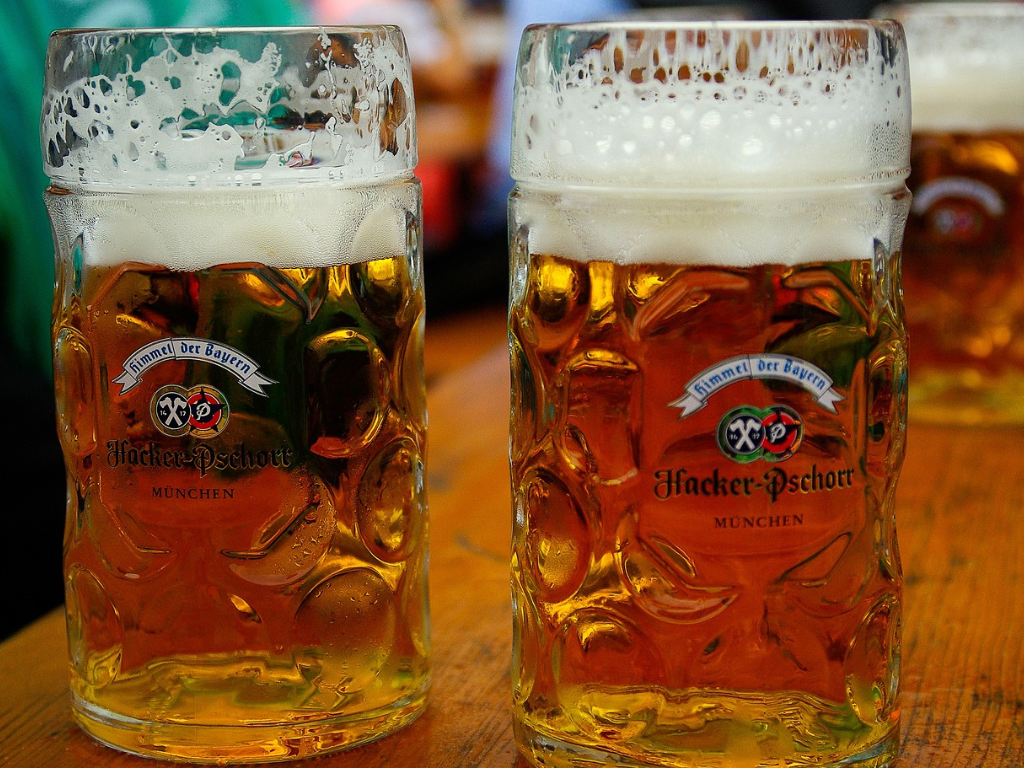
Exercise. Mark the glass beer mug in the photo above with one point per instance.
(963, 255)
(237, 354)
(709, 393)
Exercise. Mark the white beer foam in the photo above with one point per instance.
(196, 229)
(750, 146)
(966, 64)
(712, 107)
(196, 113)
(832, 225)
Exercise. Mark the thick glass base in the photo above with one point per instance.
(546, 750)
(254, 743)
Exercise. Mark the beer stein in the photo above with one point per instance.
(237, 342)
(963, 255)
(709, 393)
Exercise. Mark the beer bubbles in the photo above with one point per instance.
(720, 111)
(719, 108)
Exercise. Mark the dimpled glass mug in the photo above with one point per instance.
(238, 366)
(709, 393)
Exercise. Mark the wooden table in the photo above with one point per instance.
(961, 526)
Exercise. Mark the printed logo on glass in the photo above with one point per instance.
(201, 411)
(746, 434)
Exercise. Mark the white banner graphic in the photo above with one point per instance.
(746, 367)
(958, 187)
(230, 359)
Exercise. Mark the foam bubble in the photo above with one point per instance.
(966, 64)
(131, 108)
(709, 106)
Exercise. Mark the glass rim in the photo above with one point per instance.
(211, 31)
(631, 24)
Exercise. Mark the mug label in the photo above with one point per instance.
(764, 366)
(244, 368)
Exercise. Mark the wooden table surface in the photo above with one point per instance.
(961, 529)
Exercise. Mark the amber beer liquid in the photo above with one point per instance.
(239, 387)
(963, 263)
(708, 405)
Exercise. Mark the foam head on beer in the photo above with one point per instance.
(967, 61)
(712, 110)
(328, 106)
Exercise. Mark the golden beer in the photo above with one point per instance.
(963, 261)
(708, 409)
(238, 372)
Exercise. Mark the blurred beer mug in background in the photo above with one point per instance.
(708, 405)
(963, 257)
(237, 353)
